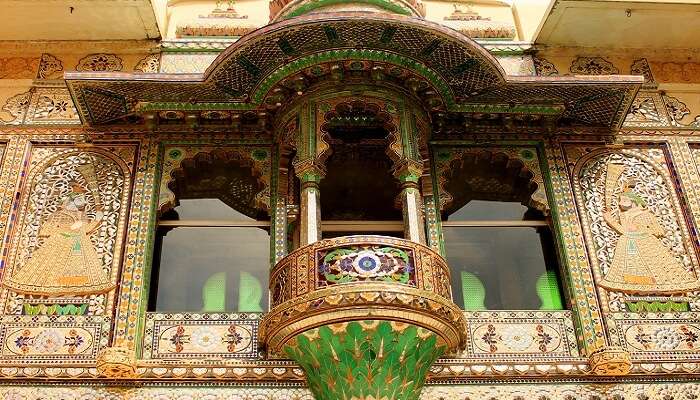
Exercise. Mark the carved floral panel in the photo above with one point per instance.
(652, 336)
(193, 335)
(43, 339)
(67, 231)
(513, 334)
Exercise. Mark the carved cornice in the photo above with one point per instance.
(469, 84)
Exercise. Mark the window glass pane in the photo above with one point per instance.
(211, 270)
(335, 234)
(205, 209)
(483, 210)
(502, 268)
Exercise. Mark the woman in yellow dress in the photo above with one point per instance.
(642, 264)
(66, 264)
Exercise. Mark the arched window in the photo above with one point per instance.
(212, 249)
(359, 194)
(499, 247)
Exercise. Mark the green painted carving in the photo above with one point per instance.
(365, 360)
(657, 306)
(382, 4)
(347, 55)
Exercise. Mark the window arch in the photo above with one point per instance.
(212, 241)
(498, 239)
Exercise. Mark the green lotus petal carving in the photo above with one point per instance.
(365, 360)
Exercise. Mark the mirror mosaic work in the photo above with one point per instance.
(349, 200)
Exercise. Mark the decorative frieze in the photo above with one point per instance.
(593, 66)
(51, 106)
(101, 62)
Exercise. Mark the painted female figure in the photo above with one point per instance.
(66, 264)
(641, 262)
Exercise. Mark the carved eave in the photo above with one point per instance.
(451, 74)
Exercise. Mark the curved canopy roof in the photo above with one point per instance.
(465, 75)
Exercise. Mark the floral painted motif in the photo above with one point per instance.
(199, 335)
(666, 337)
(100, 63)
(48, 341)
(523, 338)
(204, 338)
(366, 263)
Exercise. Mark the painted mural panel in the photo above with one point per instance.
(638, 239)
(65, 248)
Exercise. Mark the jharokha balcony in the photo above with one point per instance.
(366, 315)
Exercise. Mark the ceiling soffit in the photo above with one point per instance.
(464, 75)
(622, 24)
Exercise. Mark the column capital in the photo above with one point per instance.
(309, 171)
(408, 170)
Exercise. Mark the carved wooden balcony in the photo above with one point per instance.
(357, 301)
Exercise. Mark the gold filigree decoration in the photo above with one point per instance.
(116, 363)
(612, 361)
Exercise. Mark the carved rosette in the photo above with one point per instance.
(356, 301)
(611, 361)
(116, 362)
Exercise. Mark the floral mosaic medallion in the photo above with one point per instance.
(650, 337)
(366, 263)
(499, 338)
(52, 338)
(528, 335)
(205, 339)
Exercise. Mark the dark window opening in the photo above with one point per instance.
(500, 249)
(211, 251)
(359, 189)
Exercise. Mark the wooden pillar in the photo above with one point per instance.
(310, 214)
(409, 172)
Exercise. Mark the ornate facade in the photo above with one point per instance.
(362, 199)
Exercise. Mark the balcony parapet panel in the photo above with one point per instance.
(361, 302)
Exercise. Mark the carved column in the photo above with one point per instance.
(408, 173)
(310, 214)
